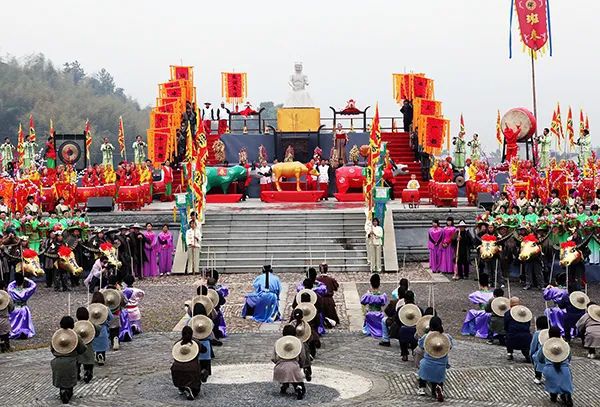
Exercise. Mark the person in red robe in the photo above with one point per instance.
(168, 180)
(510, 140)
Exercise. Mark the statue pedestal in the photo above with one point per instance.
(298, 119)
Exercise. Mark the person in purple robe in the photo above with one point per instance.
(560, 296)
(150, 268)
(165, 251)
(132, 309)
(223, 291)
(373, 302)
(448, 250)
(434, 245)
(21, 323)
(477, 320)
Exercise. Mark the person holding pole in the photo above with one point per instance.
(376, 239)
(193, 239)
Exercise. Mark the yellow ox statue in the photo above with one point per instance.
(30, 264)
(108, 250)
(66, 261)
(294, 169)
(570, 254)
(530, 248)
(489, 247)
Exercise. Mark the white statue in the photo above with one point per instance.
(299, 96)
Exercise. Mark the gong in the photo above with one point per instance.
(69, 152)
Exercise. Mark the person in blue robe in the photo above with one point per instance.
(557, 375)
(433, 369)
(21, 290)
(535, 348)
(263, 304)
(373, 302)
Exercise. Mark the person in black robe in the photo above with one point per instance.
(407, 114)
(465, 243)
(122, 242)
(136, 246)
(72, 238)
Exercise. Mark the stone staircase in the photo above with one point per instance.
(290, 241)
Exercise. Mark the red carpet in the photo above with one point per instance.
(399, 149)
(223, 198)
(290, 196)
(350, 197)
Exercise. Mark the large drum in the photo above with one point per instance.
(145, 193)
(83, 193)
(411, 196)
(519, 118)
(109, 190)
(446, 194)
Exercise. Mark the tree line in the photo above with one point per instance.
(68, 95)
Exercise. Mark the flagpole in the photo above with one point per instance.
(533, 88)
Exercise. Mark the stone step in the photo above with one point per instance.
(249, 238)
(287, 224)
(301, 261)
(289, 268)
(283, 233)
(295, 253)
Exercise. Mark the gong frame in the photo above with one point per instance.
(78, 139)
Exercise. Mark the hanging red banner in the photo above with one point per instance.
(533, 22)
(421, 87)
(234, 86)
(159, 120)
(426, 107)
(434, 132)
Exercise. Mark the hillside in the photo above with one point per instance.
(67, 95)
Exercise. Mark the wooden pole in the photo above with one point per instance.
(533, 88)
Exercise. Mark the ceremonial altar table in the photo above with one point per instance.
(444, 194)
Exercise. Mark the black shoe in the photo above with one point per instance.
(188, 393)
(527, 288)
(405, 358)
(439, 393)
(87, 377)
(568, 400)
(384, 343)
(203, 375)
(64, 396)
(283, 389)
(299, 393)
(553, 398)
(216, 342)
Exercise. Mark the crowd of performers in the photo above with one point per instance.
(39, 172)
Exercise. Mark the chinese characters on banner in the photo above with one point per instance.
(534, 24)
(234, 86)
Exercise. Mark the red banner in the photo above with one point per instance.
(234, 86)
(182, 72)
(160, 146)
(159, 120)
(421, 86)
(169, 108)
(434, 132)
(533, 22)
(428, 107)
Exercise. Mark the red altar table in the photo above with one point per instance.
(411, 196)
(445, 194)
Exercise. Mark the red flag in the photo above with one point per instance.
(559, 122)
(498, 128)
(88, 139)
(570, 130)
(121, 138)
(462, 124)
(587, 122)
(374, 145)
(31, 128)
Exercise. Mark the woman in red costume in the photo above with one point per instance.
(510, 140)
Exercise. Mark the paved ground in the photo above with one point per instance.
(350, 369)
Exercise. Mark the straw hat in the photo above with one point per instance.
(4, 299)
(543, 336)
(521, 313)
(204, 300)
(303, 331)
(500, 305)
(288, 347)
(214, 296)
(579, 299)
(86, 330)
(98, 313)
(64, 341)
(409, 314)
(185, 353)
(308, 310)
(202, 326)
(112, 298)
(437, 344)
(423, 324)
(313, 295)
(556, 350)
(594, 312)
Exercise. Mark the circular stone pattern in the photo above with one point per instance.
(252, 384)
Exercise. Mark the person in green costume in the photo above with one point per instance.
(33, 234)
(16, 223)
(531, 216)
(594, 246)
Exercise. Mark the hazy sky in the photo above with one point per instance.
(349, 49)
